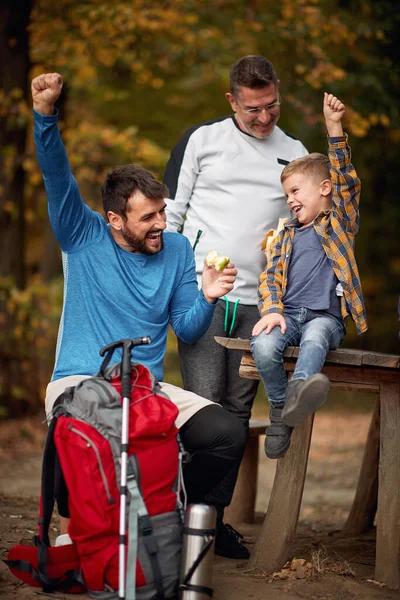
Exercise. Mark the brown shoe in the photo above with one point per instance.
(303, 397)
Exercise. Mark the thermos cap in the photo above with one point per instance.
(200, 516)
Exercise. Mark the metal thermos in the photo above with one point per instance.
(198, 552)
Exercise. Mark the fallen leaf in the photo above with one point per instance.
(381, 585)
(298, 568)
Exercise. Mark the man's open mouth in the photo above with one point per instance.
(154, 236)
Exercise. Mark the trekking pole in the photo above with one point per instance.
(127, 345)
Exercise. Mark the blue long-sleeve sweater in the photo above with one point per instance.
(109, 293)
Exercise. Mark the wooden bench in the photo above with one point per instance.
(379, 480)
(242, 506)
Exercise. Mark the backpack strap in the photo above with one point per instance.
(61, 493)
(63, 583)
(42, 541)
(53, 487)
(46, 508)
(140, 523)
(47, 485)
(134, 495)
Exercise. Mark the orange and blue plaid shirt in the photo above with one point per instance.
(337, 228)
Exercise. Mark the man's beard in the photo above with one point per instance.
(139, 244)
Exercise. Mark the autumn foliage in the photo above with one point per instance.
(138, 74)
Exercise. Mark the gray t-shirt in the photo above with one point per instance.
(311, 279)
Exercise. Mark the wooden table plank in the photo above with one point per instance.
(387, 566)
(233, 343)
(386, 361)
(362, 514)
(360, 375)
(343, 356)
(274, 542)
(339, 379)
(242, 506)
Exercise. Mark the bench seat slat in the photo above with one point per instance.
(342, 356)
(250, 372)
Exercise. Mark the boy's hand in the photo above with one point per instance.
(268, 322)
(46, 89)
(334, 110)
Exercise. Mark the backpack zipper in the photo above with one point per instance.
(91, 444)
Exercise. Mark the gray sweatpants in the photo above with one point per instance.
(212, 371)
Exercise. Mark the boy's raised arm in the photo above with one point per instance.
(345, 182)
(334, 110)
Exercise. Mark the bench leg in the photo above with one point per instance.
(362, 513)
(388, 521)
(241, 509)
(273, 544)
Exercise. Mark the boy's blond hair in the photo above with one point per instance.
(314, 165)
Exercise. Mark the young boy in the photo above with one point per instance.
(311, 283)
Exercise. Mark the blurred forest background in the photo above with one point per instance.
(137, 74)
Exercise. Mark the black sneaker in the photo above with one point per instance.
(227, 543)
(277, 439)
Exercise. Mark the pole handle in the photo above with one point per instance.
(126, 344)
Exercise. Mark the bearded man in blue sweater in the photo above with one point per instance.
(129, 278)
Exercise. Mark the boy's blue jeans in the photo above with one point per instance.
(316, 332)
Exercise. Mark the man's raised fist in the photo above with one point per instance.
(46, 89)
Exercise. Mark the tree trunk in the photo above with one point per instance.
(14, 70)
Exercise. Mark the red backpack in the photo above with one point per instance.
(85, 437)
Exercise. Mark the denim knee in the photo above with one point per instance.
(265, 350)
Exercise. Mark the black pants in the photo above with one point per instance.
(215, 440)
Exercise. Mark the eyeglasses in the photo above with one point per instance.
(257, 110)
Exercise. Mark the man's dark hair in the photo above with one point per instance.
(123, 182)
(253, 72)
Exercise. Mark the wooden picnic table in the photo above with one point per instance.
(378, 486)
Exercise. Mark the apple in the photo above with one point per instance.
(218, 262)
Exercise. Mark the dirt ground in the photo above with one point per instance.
(324, 566)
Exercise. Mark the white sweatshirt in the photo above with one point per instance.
(227, 185)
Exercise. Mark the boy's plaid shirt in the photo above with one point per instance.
(337, 228)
